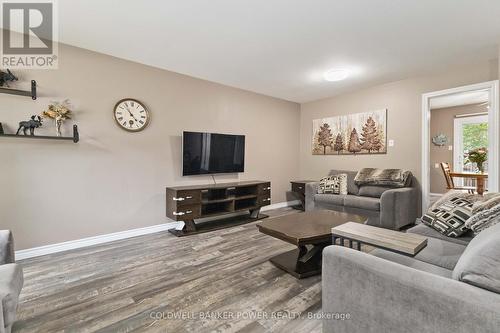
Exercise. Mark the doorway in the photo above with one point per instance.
(470, 132)
(455, 122)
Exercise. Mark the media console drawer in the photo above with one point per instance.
(187, 197)
(264, 200)
(264, 189)
(187, 212)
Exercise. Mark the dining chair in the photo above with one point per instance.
(445, 167)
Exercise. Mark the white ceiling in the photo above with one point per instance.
(466, 98)
(281, 47)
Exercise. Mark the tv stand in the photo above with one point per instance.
(187, 203)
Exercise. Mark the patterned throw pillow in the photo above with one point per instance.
(484, 219)
(475, 198)
(336, 184)
(491, 200)
(449, 218)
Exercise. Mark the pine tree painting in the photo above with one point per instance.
(339, 144)
(354, 144)
(370, 136)
(360, 133)
(325, 137)
(317, 150)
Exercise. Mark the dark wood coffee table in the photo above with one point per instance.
(310, 232)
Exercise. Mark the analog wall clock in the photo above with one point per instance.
(131, 115)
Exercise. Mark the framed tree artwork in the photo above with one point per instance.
(359, 133)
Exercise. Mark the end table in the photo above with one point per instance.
(299, 188)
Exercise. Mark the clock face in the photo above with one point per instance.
(131, 115)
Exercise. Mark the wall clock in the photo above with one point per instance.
(131, 115)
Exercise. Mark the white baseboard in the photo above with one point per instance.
(84, 242)
(89, 241)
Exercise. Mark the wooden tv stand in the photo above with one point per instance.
(187, 203)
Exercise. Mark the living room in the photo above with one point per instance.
(257, 167)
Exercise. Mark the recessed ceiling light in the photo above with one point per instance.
(336, 75)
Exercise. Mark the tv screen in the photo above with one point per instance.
(209, 153)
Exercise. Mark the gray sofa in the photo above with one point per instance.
(385, 207)
(452, 285)
(11, 282)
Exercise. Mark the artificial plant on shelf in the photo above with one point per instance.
(59, 112)
(478, 156)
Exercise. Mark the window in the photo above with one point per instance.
(469, 133)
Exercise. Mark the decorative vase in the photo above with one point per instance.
(480, 167)
(58, 126)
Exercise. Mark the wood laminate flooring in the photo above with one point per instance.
(219, 281)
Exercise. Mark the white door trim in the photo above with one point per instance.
(493, 130)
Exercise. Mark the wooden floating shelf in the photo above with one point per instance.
(31, 93)
(75, 138)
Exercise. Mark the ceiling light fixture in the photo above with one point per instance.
(336, 75)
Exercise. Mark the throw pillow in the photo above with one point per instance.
(479, 265)
(491, 200)
(455, 194)
(335, 184)
(383, 177)
(449, 218)
(484, 219)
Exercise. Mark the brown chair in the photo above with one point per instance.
(449, 180)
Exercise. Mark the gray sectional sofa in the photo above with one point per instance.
(451, 286)
(385, 207)
(11, 282)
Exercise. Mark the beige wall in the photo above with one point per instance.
(403, 101)
(442, 122)
(114, 180)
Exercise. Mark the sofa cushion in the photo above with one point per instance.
(335, 184)
(383, 177)
(11, 282)
(449, 218)
(411, 262)
(475, 198)
(372, 191)
(333, 199)
(352, 188)
(362, 202)
(441, 253)
(480, 263)
(484, 219)
(424, 230)
(6, 247)
(491, 200)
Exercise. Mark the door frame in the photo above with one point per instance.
(493, 135)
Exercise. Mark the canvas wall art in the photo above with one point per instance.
(359, 133)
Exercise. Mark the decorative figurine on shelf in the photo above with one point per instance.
(59, 111)
(35, 122)
(6, 77)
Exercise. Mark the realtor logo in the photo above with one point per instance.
(29, 35)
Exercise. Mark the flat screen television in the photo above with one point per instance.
(210, 153)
